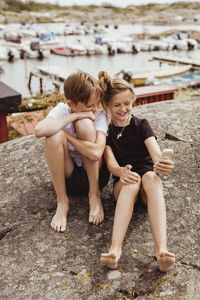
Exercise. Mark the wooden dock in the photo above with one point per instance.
(195, 63)
(150, 94)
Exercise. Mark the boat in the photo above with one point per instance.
(77, 48)
(188, 80)
(63, 51)
(140, 78)
(32, 50)
(49, 40)
(12, 36)
(8, 53)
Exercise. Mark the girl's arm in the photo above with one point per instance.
(93, 151)
(124, 173)
(162, 166)
(49, 125)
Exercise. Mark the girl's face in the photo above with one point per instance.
(120, 107)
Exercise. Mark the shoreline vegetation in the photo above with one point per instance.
(30, 11)
(16, 11)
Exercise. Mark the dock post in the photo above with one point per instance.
(41, 89)
(9, 98)
(29, 81)
(3, 128)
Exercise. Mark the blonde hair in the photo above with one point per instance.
(79, 86)
(113, 86)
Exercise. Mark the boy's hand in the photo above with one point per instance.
(164, 166)
(127, 176)
(86, 115)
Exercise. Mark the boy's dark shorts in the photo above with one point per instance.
(77, 183)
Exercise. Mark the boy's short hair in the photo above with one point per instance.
(79, 86)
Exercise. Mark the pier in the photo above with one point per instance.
(178, 60)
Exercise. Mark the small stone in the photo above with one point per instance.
(113, 274)
(166, 293)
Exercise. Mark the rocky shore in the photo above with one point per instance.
(37, 263)
(161, 14)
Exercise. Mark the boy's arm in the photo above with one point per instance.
(93, 151)
(124, 173)
(49, 125)
(162, 166)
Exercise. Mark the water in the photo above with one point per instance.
(16, 74)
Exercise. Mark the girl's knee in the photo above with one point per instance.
(133, 187)
(150, 178)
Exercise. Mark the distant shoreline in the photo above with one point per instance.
(159, 14)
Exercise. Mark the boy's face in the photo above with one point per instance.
(92, 105)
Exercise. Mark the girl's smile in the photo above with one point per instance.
(120, 108)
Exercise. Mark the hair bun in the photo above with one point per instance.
(105, 81)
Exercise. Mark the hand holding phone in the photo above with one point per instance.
(165, 167)
(167, 154)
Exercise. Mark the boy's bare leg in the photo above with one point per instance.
(126, 196)
(152, 187)
(60, 166)
(96, 214)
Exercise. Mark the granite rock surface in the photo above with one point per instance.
(38, 263)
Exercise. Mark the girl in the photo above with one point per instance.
(133, 157)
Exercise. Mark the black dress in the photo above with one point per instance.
(130, 148)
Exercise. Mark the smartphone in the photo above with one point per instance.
(167, 154)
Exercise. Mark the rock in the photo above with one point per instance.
(38, 263)
(113, 274)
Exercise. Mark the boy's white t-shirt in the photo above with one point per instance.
(61, 110)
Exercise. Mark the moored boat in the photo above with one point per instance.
(64, 51)
(140, 78)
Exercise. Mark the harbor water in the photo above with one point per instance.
(16, 74)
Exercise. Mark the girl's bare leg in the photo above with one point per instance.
(60, 166)
(152, 194)
(126, 196)
(86, 131)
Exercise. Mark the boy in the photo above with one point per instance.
(75, 140)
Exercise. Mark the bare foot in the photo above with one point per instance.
(96, 215)
(165, 260)
(111, 258)
(59, 221)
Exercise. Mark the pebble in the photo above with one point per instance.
(113, 274)
(166, 293)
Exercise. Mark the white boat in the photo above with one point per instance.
(12, 36)
(8, 53)
(32, 50)
(77, 49)
(49, 40)
(140, 78)
(100, 49)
